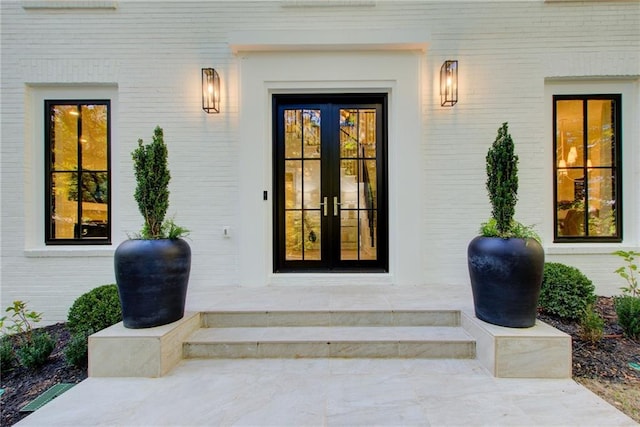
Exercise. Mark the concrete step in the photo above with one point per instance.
(293, 334)
(221, 319)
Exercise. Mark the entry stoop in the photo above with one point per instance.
(332, 321)
(321, 334)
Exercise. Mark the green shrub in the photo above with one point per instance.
(32, 346)
(566, 292)
(95, 310)
(91, 312)
(7, 355)
(591, 325)
(34, 353)
(628, 311)
(76, 351)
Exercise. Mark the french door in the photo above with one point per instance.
(330, 181)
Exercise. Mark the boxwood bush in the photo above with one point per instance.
(95, 310)
(566, 292)
(628, 311)
(91, 312)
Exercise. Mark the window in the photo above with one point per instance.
(77, 172)
(587, 178)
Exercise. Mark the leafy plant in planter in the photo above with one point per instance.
(506, 261)
(152, 270)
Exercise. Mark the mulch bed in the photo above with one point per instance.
(21, 385)
(606, 361)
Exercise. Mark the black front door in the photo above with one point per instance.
(330, 181)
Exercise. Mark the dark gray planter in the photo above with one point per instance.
(506, 277)
(152, 278)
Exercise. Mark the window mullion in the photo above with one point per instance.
(78, 233)
(585, 156)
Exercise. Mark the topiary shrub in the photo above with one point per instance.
(566, 292)
(95, 310)
(628, 311)
(91, 312)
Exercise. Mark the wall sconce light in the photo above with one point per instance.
(210, 90)
(449, 83)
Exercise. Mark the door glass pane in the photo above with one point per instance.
(349, 234)
(349, 184)
(311, 133)
(292, 184)
(368, 232)
(292, 134)
(311, 184)
(312, 235)
(348, 133)
(367, 134)
(293, 235)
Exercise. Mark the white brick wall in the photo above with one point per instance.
(150, 55)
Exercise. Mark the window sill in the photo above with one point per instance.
(330, 279)
(70, 252)
(69, 4)
(586, 248)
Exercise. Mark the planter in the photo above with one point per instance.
(506, 277)
(152, 278)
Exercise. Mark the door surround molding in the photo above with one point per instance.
(395, 73)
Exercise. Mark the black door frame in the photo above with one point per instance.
(331, 249)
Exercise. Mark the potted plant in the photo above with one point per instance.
(152, 269)
(506, 261)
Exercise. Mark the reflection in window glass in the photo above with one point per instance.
(302, 184)
(358, 184)
(587, 185)
(77, 176)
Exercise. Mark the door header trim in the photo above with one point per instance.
(346, 39)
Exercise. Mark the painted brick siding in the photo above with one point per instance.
(149, 55)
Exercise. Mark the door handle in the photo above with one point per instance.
(324, 206)
(335, 206)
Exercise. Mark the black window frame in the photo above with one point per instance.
(49, 238)
(616, 168)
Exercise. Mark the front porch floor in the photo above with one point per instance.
(329, 391)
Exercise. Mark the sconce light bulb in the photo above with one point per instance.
(210, 89)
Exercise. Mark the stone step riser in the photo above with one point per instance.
(350, 334)
(330, 318)
(319, 349)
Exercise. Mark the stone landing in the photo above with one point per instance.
(537, 352)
